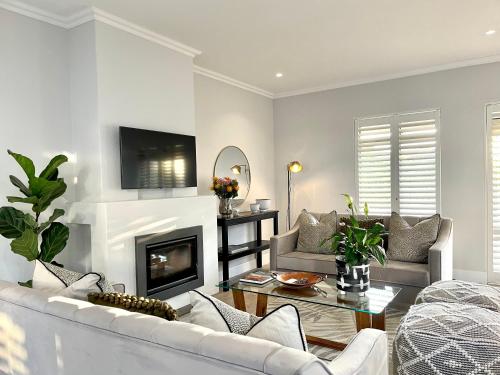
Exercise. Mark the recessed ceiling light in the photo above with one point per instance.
(490, 32)
(279, 75)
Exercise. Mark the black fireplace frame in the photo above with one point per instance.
(180, 286)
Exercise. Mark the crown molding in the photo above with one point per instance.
(132, 28)
(231, 81)
(388, 77)
(96, 14)
(33, 12)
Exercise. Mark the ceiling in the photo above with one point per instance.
(314, 43)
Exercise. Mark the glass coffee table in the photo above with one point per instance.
(369, 309)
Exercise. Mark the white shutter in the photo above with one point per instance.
(374, 164)
(418, 151)
(494, 191)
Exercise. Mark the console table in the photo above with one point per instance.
(228, 252)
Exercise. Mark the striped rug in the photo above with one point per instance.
(334, 324)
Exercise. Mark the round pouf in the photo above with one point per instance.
(481, 295)
(447, 339)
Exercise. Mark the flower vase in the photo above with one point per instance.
(225, 208)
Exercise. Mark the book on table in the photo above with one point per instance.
(259, 278)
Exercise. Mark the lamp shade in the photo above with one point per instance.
(236, 169)
(294, 166)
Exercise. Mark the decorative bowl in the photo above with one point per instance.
(265, 204)
(255, 207)
(298, 279)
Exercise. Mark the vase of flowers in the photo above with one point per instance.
(226, 189)
(354, 246)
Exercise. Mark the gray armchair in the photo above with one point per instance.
(414, 276)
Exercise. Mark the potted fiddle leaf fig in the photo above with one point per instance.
(354, 245)
(30, 237)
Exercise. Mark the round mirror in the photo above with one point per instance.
(232, 162)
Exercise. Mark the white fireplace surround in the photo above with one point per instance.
(114, 226)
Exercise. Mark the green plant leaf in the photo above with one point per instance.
(378, 253)
(25, 163)
(46, 191)
(58, 212)
(26, 245)
(19, 184)
(50, 172)
(12, 223)
(365, 209)
(29, 200)
(30, 221)
(27, 284)
(54, 239)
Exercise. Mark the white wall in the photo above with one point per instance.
(34, 110)
(140, 84)
(227, 115)
(318, 130)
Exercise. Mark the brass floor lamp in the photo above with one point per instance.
(292, 167)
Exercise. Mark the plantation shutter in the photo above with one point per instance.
(494, 191)
(374, 164)
(418, 156)
(398, 163)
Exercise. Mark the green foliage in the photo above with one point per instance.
(53, 241)
(27, 284)
(26, 245)
(358, 244)
(24, 228)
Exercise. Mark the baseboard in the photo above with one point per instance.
(474, 276)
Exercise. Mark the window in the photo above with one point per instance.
(398, 167)
(493, 149)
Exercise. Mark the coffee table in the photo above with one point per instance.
(369, 309)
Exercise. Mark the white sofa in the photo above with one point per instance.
(42, 334)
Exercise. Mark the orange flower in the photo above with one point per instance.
(236, 188)
(229, 189)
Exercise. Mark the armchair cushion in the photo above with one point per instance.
(313, 231)
(411, 243)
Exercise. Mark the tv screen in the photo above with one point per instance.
(153, 160)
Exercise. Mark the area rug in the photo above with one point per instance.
(335, 324)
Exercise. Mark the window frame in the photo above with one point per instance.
(490, 108)
(394, 120)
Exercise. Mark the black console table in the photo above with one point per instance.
(229, 252)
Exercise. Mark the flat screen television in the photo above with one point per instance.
(154, 160)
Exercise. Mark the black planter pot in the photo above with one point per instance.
(352, 279)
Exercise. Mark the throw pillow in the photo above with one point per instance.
(148, 306)
(281, 325)
(411, 244)
(313, 231)
(68, 283)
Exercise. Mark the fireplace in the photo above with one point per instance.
(170, 263)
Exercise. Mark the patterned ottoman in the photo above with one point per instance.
(448, 339)
(462, 292)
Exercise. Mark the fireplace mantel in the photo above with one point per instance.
(114, 226)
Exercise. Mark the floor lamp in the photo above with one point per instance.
(292, 167)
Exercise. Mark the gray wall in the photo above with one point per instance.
(318, 130)
(227, 115)
(34, 110)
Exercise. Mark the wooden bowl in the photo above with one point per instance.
(297, 279)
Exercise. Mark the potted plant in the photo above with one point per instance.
(226, 189)
(353, 247)
(25, 229)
